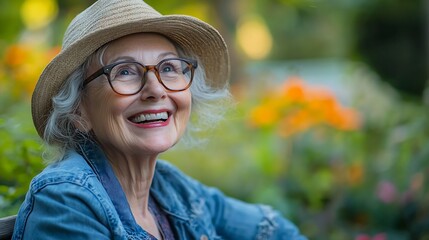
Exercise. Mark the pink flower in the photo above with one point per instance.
(386, 192)
(379, 236)
(362, 237)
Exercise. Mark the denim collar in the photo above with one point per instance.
(162, 191)
(97, 160)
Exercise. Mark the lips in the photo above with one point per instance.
(150, 117)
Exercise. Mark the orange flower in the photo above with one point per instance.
(51, 53)
(355, 174)
(263, 116)
(296, 122)
(293, 90)
(297, 107)
(345, 119)
(24, 64)
(319, 94)
(16, 55)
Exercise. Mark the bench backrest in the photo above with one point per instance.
(6, 227)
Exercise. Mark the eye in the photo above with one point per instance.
(125, 70)
(167, 67)
(170, 66)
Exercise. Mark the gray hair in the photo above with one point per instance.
(61, 135)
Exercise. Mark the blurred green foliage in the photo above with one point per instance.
(336, 184)
(20, 154)
(363, 182)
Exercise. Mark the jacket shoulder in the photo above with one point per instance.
(169, 176)
(72, 169)
(62, 200)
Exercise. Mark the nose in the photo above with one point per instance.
(152, 88)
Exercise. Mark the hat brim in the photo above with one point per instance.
(192, 34)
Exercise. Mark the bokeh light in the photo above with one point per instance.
(37, 14)
(254, 37)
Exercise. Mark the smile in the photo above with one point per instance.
(150, 117)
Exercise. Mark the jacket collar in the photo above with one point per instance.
(97, 160)
(163, 191)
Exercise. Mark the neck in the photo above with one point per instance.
(135, 173)
(135, 176)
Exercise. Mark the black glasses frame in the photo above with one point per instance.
(192, 65)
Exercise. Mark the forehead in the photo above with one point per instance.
(140, 42)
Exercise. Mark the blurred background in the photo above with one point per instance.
(331, 120)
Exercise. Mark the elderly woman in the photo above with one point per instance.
(117, 95)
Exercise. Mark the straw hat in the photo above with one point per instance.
(107, 20)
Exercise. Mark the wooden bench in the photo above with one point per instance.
(6, 227)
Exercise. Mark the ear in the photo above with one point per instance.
(82, 122)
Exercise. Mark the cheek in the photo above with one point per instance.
(185, 106)
(104, 108)
(108, 123)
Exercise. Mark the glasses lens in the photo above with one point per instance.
(175, 74)
(126, 78)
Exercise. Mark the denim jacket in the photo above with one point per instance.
(81, 198)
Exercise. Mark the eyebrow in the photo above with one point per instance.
(129, 58)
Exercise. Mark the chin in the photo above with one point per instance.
(157, 147)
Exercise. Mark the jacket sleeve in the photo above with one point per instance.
(61, 211)
(235, 219)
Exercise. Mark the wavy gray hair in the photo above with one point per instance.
(61, 135)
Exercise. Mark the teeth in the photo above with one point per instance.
(150, 117)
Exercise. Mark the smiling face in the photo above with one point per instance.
(147, 123)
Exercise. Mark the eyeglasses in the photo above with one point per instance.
(128, 77)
